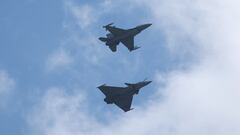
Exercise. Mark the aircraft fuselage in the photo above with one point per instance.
(131, 89)
(115, 40)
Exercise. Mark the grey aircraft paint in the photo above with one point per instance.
(122, 96)
(125, 36)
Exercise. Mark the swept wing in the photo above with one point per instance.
(129, 43)
(124, 102)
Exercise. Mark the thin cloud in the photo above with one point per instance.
(7, 85)
(200, 100)
(81, 41)
(58, 60)
(83, 14)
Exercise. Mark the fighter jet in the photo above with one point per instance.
(122, 96)
(125, 36)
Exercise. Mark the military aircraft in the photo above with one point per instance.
(125, 36)
(122, 96)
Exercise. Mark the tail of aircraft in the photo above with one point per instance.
(106, 26)
(103, 39)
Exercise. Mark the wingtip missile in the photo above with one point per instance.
(128, 110)
(135, 48)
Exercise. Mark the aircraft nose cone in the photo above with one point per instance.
(148, 25)
(148, 82)
(144, 26)
(145, 83)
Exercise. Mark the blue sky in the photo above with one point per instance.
(32, 30)
(29, 31)
(51, 63)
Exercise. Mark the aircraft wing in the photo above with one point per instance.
(124, 102)
(129, 43)
(116, 31)
(111, 90)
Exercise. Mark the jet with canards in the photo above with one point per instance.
(122, 96)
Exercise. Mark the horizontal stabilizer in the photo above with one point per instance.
(113, 48)
(103, 39)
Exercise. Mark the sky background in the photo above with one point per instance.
(51, 62)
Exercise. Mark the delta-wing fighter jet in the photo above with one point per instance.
(122, 96)
(125, 36)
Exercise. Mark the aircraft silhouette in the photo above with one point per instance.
(125, 36)
(122, 96)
